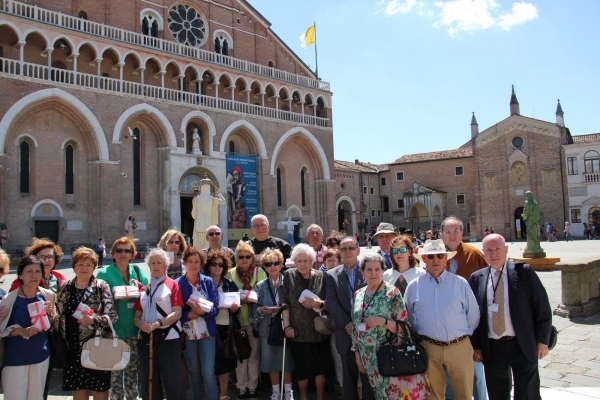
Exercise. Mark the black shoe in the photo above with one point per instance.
(329, 387)
(242, 394)
(252, 394)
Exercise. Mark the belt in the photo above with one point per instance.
(445, 344)
(504, 339)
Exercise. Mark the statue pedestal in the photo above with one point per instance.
(539, 264)
(197, 152)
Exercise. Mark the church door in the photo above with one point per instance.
(47, 229)
(520, 229)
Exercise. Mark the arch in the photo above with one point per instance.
(135, 55)
(212, 130)
(210, 72)
(36, 31)
(107, 48)
(193, 67)
(260, 89)
(315, 143)
(288, 212)
(92, 45)
(15, 29)
(65, 38)
(347, 199)
(173, 62)
(270, 85)
(313, 101)
(70, 141)
(286, 90)
(225, 35)
(243, 79)
(47, 201)
(225, 74)
(323, 99)
(155, 14)
(26, 136)
(156, 60)
(148, 109)
(259, 140)
(38, 96)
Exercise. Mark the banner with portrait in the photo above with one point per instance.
(242, 195)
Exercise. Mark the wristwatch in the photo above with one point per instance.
(160, 322)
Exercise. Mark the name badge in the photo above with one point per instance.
(493, 307)
(130, 305)
(361, 327)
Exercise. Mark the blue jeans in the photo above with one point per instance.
(479, 388)
(200, 358)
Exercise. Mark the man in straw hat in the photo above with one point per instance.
(385, 233)
(443, 310)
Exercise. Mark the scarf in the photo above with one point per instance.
(245, 277)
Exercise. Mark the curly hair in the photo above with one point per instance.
(192, 251)
(170, 234)
(84, 253)
(38, 245)
(213, 255)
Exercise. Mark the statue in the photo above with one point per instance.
(290, 230)
(196, 142)
(531, 216)
(130, 227)
(205, 211)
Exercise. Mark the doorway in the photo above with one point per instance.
(520, 230)
(187, 222)
(47, 229)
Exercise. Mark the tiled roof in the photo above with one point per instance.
(436, 155)
(592, 137)
(350, 166)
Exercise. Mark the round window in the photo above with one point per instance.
(187, 25)
(517, 142)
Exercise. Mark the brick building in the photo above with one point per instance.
(101, 99)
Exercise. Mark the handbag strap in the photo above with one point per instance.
(114, 334)
(164, 315)
(271, 291)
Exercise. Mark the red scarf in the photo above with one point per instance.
(245, 277)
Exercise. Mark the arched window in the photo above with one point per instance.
(303, 186)
(223, 42)
(150, 26)
(279, 196)
(137, 168)
(231, 147)
(225, 48)
(592, 162)
(69, 173)
(83, 15)
(217, 46)
(24, 167)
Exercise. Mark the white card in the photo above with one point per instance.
(361, 327)
(493, 307)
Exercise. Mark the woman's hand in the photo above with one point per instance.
(86, 320)
(266, 311)
(50, 311)
(26, 333)
(234, 307)
(3, 313)
(372, 322)
(311, 303)
(149, 327)
(197, 309)
(289, 332)
(359, 363)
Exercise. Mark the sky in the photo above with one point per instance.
(407, 74)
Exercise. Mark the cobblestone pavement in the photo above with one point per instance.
(571, 371)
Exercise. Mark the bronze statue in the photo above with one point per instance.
(531, 216)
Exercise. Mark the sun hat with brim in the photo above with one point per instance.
(434, 247)
(385, 227)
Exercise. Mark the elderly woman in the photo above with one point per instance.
(269, 301)
(84, 290)
(157, 313)
(245, 276)
(377, 306)
(405, 265)
(217, 265)
(51, 254)
(26, 348)
(331, 259)
(199, 325)
(123, 384)
(173, 241)
(309, 348)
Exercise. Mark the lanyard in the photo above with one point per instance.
(153, 293)
(497, 283)
(369, 303)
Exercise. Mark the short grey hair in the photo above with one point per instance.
(312, 226)
(350, 238)
(257, 216)
(373, 257)
(157, 252)
(448, 219)
(303, 248)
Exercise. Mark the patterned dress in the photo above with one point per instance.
(387, 303)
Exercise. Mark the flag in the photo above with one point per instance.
(307, 38)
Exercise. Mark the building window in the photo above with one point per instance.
(366, 224)
(517, 142)
(83, 15)
(382, 181)
(379, 213)
(372, 213)
(279, 196)
(150, 26)
(372, 190)
(69, 175)
(458, 171)
(575, 215)
(187, 25)
(231, 147)
(592, 162)
(364, 190)
(137, 168)
(24, 167)
(460, 199)
(401, 203)
(386, 204)
(399, 176)
(303, 186)
(572, 166)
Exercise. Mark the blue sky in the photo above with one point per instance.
(406, 74)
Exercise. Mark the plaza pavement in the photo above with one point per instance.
(571, 371)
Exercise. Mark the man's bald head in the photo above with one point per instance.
(495, 250)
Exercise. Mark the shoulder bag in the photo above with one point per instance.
(276, 335)
(406, 359)
(237, 345)
(105, 354)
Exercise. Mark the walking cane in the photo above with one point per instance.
(283, 307)
(151, 356)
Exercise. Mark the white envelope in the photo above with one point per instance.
(226, 299)
(204, 304)
(307, 294)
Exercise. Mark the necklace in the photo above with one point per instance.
(29, 299)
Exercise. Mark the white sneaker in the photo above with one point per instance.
(289, 395)
(275, 395)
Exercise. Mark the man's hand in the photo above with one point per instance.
(542, 350)
(477, 356)
(349, 328)
(359, 363)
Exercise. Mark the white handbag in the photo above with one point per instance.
(105, 354)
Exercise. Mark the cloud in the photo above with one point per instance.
(521, 13)
(393, 7)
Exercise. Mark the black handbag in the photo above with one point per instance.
(58, 349)
(237, 345)
(553, 337)
(276, 334)
(405, 359)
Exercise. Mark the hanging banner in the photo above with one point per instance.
(242, 195)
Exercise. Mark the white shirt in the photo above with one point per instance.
(509, 329)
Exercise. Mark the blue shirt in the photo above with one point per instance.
(443, 310)
(207, 286)
(19, 351)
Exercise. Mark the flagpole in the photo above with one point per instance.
(316, 59)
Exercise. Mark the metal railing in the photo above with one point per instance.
(151, 92)
(94, 28)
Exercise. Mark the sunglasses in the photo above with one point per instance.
(174, 242)
(440, 256)
(399, 250)
(120, 251)
(272, 264)
(214, 234)
(343, 249)
(245, 257)
(214, 264)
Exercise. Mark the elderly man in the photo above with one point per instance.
(314, 237)
(515, 324)
(214, 237)
(443, 310)
(261, 240)
(342, 282)
(384, 235)
(467, 260)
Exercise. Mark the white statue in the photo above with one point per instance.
(130, 227)
(205, 211)
(290, 230)
(196, 142)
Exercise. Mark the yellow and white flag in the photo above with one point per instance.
(307, 38)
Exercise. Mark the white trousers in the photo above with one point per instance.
(25, 382)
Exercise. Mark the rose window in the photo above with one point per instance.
(187, 25)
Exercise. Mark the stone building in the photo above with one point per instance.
(101, 100)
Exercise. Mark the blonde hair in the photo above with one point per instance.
(244, 247)
(168, 235)
(4, 262)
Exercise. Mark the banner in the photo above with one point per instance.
(242, 195)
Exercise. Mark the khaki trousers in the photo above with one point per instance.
(457, 359)
(247, 371)
(25, 382)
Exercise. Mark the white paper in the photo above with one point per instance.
(249, 295)
(307, 294)
(226, 299)
(201, 301)
(171, 256)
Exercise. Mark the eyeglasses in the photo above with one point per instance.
(260, 225)
(272, 264)
(343, 249)
(214, 234)
(244, 257)
(440, 256)
(126, 251)
(47, 258)
(85, 265)
(214, 264)
(174, 242)
(399, 250)
(454, 232)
